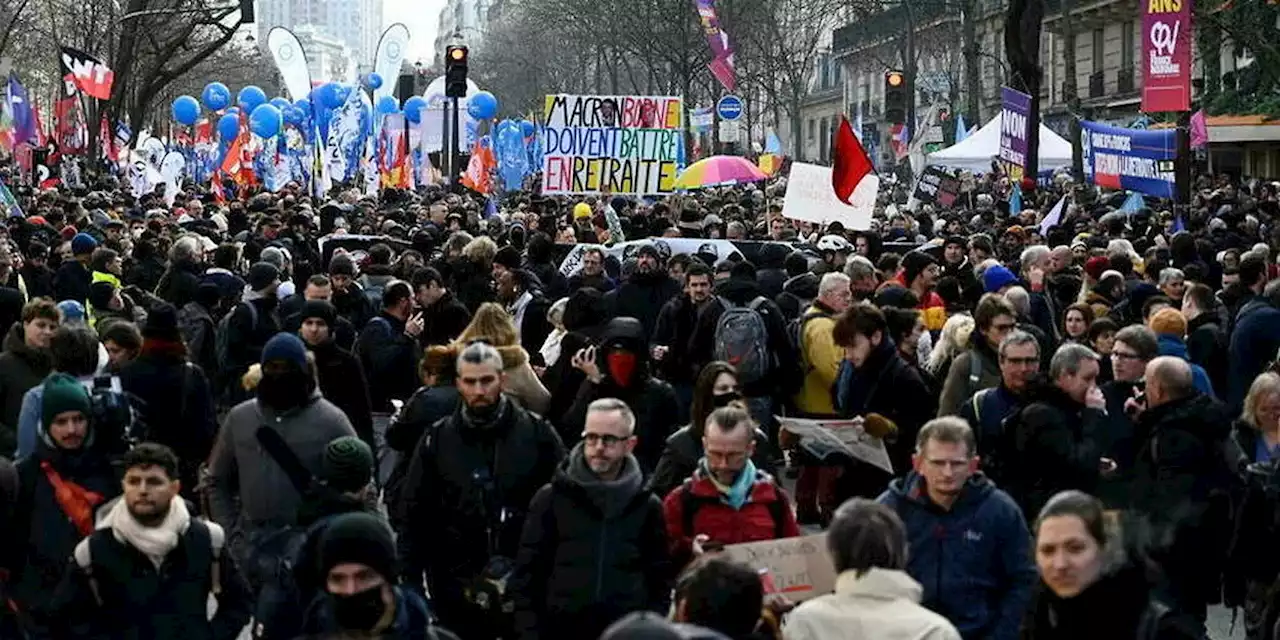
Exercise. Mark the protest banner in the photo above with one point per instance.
(800, 568)
(1166, 55)
(823, 438)
(937, 186)
(811, 198)
(667, 247)
(1015, 111)
(624, 145)
(1134, 159)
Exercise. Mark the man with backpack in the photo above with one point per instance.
(987, 409)
(149, 568)
(242, 333)
(727, 500)
(376, 275)
(266, 444)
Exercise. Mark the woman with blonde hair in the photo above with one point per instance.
(492, 324)
(954, 340)
(1256, 439)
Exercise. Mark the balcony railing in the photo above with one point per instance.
(1124, 80)
(1097, 83)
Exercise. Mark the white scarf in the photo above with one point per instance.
(154, 542)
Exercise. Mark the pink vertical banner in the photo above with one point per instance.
(1166, 55)
(721, 64)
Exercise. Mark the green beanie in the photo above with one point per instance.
(63, 393)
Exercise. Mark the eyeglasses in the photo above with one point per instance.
(1023, 362)
(606, 439)
(1122, 355)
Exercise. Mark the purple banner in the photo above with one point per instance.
(1015, 112)
(721, 51)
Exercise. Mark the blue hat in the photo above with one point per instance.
(286, 347)
(996, 278)
(72, 311)
(83, 243)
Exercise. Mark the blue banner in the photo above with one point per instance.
(1134, 159)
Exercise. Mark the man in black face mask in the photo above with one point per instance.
(357, 562)
(289, 404)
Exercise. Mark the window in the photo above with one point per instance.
(813, 132)
(1126, 46)
(835, 72)
(1099, 45)
(823, 141)
(824, 70)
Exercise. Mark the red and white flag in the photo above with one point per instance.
(851, 163)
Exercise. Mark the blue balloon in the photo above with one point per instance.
(343, 92)
(265, 121)
(233, 110)
(527, 128)
(373, 81)
(280, 103)
(388, 104)
(229, 126)
(250, 97)
(413, 108)
(216, 96)
(328, 95)
(482, 106)
(186, 110)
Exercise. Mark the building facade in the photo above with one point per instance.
(356, 23)
(328, 59)
(464, 19)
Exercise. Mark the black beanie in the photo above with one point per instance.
(508, 257)
(322, 309)
(913, 264)
(358, 538)
(162, 324)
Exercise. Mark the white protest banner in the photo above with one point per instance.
(666, 247)
(800, 568)
(846, 436)
(626, 145)
(810, 198)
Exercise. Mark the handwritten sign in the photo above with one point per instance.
(811, 198)
(937, 185)
(627, 145)
(800, 567)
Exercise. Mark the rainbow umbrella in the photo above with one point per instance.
(718, 170)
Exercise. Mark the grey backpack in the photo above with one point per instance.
(743, 341)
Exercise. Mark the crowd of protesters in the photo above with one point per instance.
(398, 417)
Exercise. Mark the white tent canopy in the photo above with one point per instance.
(976, 151)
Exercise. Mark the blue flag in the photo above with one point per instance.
(1133, 203)
(24, 118)
(1178, 227)
(1015, 202)
(962, 131)
(773, 144)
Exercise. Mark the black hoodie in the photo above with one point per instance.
(652, 400)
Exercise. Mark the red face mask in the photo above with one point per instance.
(622, 366)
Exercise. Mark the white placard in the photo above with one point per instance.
(810, 198)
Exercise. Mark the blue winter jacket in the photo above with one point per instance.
(1171, 345)
(1253, 345)
(974, 561)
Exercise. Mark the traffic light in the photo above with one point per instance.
(895, 97)
(455, 71)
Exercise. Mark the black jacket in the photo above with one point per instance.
(652, 400)
(427, 406)
(39, 280)
(887, 385)
(141, 602)
(444, 320)
(353, 305)
(674, 329)
(390, 357)
(21, 367)
(591, 552)
(178, 407)
(146, 273)
(343, 332)
(247, 334)
(199, 332)
(554, 284)
(703, 341)
(72, 282)
(460, 480)
(1051, 450)
(180, 283)
(472, 283)
(342, 382)
(642, 297)
(1183, 479)
(683, 451)
(1208, 346)
(1112, 608)
(534, 326)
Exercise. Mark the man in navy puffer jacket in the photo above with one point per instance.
(970, 548)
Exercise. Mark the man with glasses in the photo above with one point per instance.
(986, 410)
(1135, 346)
(594, 547)
(969, 547)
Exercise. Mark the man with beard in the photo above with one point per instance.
(594, 547)
(290, 405)
(388, 348)
(348, 297)
(674, 330)
(520, 292)
(619, 368)
(468, 490)
(592, 273)
(444, 316)
(645, 292)
(150, 567)
(342, 381)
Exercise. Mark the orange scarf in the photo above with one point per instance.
(74, 500)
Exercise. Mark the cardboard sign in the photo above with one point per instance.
(800, 568)
(811, 198)
(937, 185)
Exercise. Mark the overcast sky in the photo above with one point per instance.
(421, 17)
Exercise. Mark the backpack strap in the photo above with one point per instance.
(975, 371)
(978, 399)
(1149, 623)
(689, 506)
(756, 303)
(778, 510)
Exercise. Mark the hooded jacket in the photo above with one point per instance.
(1253, 344)
(642, 297)
(592, 551)
(752, 522)
(390, 358)
(652, 400)
(21, 368)
(973, 560)
(413, 620)
(342, 382)
(240, 466)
